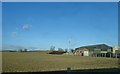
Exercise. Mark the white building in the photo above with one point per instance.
(116, 48)
(116, 51)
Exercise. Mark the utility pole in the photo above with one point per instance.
(69, 45)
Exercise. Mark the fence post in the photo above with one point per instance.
(110, 55)
(102, 54)
(115, 55)
(105, 54)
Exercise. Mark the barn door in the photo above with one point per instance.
(86, 53)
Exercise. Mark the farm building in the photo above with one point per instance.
(94, 50)
(116, 51)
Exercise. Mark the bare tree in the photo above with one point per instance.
(72, 50)
(60, 49)
(52, 48)
(66, 50)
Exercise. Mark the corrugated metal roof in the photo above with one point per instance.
(103, 47)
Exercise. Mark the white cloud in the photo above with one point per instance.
(26, 27)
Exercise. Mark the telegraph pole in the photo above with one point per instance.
(69, 44)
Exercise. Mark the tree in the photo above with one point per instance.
(52, 48)
(25, 50)
(20, 50)
(60, 49)
(66, 50)
(72, 50)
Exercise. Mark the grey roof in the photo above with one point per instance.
(103, 47)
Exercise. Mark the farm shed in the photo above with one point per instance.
(82, 52)
(116, 51)
(93, 50)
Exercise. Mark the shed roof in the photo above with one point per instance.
(103, 47)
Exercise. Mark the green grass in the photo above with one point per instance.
(40, 61)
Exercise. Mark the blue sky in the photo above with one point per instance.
(41, 25)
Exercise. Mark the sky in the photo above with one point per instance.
(61, 24)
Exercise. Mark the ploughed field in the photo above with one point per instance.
(41, 61)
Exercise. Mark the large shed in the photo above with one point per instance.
(93, 50)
